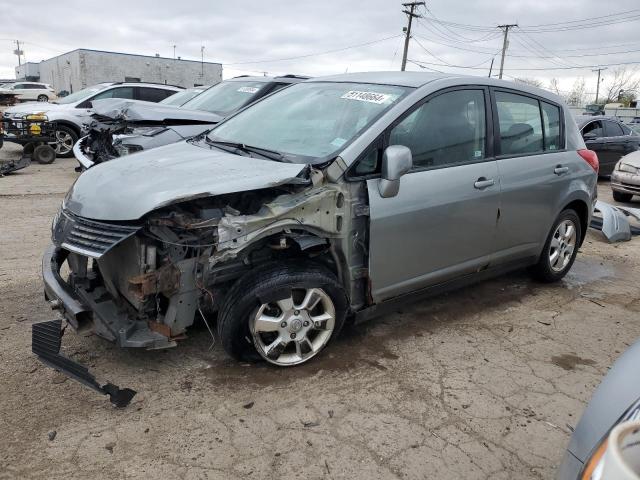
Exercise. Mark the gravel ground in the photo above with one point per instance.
(483, 383)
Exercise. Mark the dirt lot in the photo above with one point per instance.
(482, 383)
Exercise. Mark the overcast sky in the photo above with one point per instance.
(250, 36)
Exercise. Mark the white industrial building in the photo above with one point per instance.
(82, 68)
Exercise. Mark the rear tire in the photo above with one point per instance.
(267, 307)
(44, 154)
(622, 197)
(560, 249)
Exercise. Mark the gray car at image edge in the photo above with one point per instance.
(331, 201)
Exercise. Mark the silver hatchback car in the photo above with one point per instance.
(326, 201)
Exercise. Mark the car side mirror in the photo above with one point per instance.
(590, 136)
(396, 161)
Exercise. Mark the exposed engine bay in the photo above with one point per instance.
(144, 283)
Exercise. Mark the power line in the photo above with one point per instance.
(316, 53)
(537, 69)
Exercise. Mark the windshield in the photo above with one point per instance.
(309, 122)
(180, 98)
(226, 97)
(81, 94)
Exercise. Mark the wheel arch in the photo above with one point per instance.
(582, 210)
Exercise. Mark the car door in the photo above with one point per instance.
(616, 146)
(631, 139)
(533, 172)
(442, 223)
(21, 91)
(594, 138)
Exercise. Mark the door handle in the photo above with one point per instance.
(560, 170)
(483, 183)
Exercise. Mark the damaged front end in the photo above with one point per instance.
(121, 127)
(141, 284)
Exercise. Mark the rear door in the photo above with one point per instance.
(594, 138)
(442, 223)
(616, 146)
(534, 169)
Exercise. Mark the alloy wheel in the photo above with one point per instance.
(294, 329)
(64, 142)
(562, 246)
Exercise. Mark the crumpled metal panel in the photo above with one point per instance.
(615, 226)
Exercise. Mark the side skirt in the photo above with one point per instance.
(392, 304)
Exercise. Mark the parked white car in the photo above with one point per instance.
(71, 112)
(30, 91)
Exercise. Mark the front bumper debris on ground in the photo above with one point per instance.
(46, 338)
(614, 221)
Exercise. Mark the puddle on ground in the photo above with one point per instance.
(585, 271)
(568, 361)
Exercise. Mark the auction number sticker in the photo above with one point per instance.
(248, 89)
(371, 97)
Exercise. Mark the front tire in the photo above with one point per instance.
(622, 197)
(43, 98)
(66, 138)
(285, 314)
(560, 249)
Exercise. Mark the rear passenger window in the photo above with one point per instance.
(613, 129)
(551, 120)
(520, 124)
(449, 129)
(153, 94)
(626, 130)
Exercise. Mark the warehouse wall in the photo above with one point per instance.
(82, 68)
(62, 72)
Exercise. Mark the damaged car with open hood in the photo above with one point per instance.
(120, 127)
(334, 200)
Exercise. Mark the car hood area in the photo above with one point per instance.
(147, 112)
(632, 159)
(36, 107)
(125, 189)
(619, 389)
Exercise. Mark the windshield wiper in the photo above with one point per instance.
(265, 152)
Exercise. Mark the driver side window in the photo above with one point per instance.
(449, 129)
(594, 128)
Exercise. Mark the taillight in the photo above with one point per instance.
(591, 158)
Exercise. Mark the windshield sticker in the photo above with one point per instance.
(371, 97)
(248, 89)
(338, 142)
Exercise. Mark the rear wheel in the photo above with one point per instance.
(43, 98)
(284, 314)
(560, 249)
(66, 138)
(622, 197)
(44, 154)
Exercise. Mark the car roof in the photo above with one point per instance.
(582, 120)
(420, 79)
(280, 79)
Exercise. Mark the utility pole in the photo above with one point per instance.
(202, 60)
(18, 52)
(491, 66)
(505, 43)
(598, 86)
(174, 52)
(410, 12)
